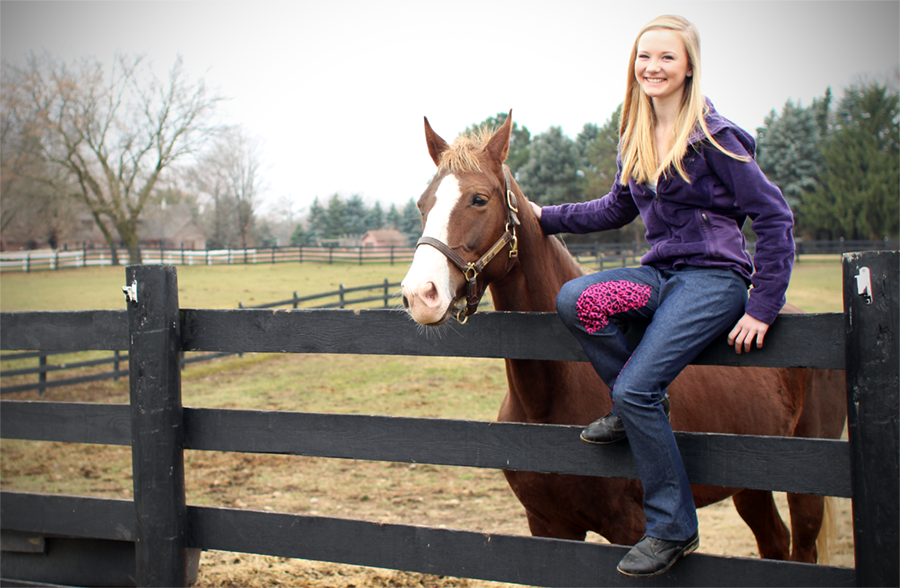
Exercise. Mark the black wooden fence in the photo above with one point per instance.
(158, 428)
(384, 295)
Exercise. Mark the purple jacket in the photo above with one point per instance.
(699, 224)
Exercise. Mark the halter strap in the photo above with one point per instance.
(471, 269)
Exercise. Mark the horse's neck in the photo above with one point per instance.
(542, 391)
(543, 267)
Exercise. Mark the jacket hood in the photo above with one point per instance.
(716, 123)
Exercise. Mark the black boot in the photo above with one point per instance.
(610, 429)
(652, 556)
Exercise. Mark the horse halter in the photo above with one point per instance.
(471, 269)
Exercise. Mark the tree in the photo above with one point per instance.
(114, 131)
(335, 217)
(375, 217)
(356, 215)
(228, 177)
(411, 221)
(315, 223)
(553, 170)
(394, 220)
(789, 153)
(519, 139)
(860, 193)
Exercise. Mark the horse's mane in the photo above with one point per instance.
(462, 155)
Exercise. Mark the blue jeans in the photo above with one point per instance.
(683, 310)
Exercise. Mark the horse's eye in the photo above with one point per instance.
(479, 200)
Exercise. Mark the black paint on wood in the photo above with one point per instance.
(64, 331)
(801, 340)
(68, 422)
(803, 465)
(74, 516)
(157, 426)
(504, 558)
(873, 404)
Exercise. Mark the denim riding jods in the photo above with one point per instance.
(687, 308)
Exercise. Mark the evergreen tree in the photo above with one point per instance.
(335, 217)
(788, 150)
(600, 159)
(375, 217)
(316, 224)
(519, 139)
(411, 222)
(860, 193)
(355, 215)
(553, 171)
(299, 237)
(393, 220)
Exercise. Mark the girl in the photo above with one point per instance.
(691, 176)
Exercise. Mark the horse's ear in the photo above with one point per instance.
(436, 145)
(498, 146)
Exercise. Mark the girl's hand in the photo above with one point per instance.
(536, 209)
(745, 332)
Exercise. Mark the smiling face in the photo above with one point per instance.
(661, 64)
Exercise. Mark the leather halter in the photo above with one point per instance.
(471, 269)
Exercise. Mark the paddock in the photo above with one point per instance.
(167, 532)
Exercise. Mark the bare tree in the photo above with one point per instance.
(112, 133)
(229, 178)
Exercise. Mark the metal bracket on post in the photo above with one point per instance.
(131, 292)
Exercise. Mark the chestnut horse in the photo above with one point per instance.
(476, 235)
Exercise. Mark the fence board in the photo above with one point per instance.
(74, 516)
(64, 331)
(67, 422)
(504, 558)
(804, 465)
(805, 340)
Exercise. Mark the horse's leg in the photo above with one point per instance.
(807, 511)
(757, 508)
(824, 413)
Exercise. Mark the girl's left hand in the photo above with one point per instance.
(745, 332)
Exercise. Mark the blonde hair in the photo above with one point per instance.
(637, 141)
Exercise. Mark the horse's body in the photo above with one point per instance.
(466, 208)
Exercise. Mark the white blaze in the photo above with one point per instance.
(427, 283)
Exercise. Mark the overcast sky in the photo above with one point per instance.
(336, 90)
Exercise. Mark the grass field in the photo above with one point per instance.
(462, 498)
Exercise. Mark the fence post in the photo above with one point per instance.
(157, 426)
(301, 254)
(295, 299)
(871, 310)
(392, 255)
(360, 254)
(341, 296)
(386, 292)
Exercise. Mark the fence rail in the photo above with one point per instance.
(158, 428)
(600, 255)
(43, 368)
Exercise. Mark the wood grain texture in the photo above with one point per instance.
(802, 465)
(64, 331)
(504, 558)
(795, 340)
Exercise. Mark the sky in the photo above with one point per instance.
(335, 90)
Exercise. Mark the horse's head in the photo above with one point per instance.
(469, 215)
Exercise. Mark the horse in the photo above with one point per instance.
(479, 231)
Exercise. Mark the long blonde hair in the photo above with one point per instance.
(637, 140)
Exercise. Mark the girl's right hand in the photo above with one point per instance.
(536, 209)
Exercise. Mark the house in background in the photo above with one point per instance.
(383, 238)
(168, 227)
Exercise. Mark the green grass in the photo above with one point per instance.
(218, 286)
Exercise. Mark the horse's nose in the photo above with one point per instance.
(405, 302)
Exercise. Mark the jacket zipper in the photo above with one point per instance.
(710, 234)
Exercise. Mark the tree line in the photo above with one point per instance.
(118, 142)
